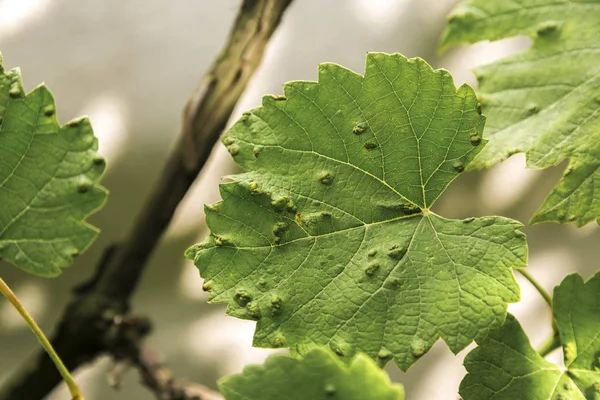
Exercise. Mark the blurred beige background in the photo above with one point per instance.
(131, 65)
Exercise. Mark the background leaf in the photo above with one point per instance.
(546, 101)
(329, 240)
(506, 367)
(318, 376)
(48, 180)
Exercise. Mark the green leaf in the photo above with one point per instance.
(545, 101)
(328, 238)
(48, 180)
(577, 312)
(318, 376)
(505, 366)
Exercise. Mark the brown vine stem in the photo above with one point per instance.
(82, 332)
(39, 334)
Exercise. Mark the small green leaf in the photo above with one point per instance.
(48, 180)
(332, 218)
(318, 376)
(545, 101)
(506, 367)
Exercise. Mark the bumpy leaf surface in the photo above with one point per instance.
(546, 101)
(328, 238)
(318, 376)
(506, 367)
(48, 180)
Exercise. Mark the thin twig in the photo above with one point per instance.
(81, 334)
(159, 379)
(129, 350)
(39, 334)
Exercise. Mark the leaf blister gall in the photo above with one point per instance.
(253, 310)
(313, 219)
(384, 354)
(221, 240)
(279, 340)
(359, 128)
(533, 109)
(570, 352)
(234, 149)
(372, 268)
(49, 110)
(340, 347)
(417, 346)
(458, 166)
(283, 203)
(330, 389)
(410, 209)
(242, 297)
(547, 28)
(98, 160)
(75, 123)
(475, 139)
(84, 186)
(276, 305)
(192, 251)
(278, 231)
(326, 178)
(396, 252)
(15, 91)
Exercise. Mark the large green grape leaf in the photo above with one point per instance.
(505, 366)
(48, 180)
(545, 101)
(318, 376)
(328, 239)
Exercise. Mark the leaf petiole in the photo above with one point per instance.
(537, 286)
(64, 372)
(554, 341)
(550, 345)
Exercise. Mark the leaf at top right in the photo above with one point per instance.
(545, 101)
